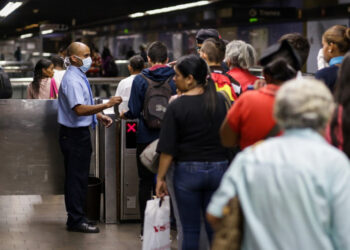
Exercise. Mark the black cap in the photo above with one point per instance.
(284, 50)
(204, 34)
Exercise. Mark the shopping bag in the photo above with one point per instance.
(156, 229)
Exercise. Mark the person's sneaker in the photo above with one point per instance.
(84, 228)
(91, 222)
(141, 237)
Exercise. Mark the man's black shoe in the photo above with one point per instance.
(91, 222)
(84, 228)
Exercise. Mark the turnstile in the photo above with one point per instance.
(128, 203)
(116, 149)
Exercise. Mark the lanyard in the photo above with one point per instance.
(94, 119)
(336, 60)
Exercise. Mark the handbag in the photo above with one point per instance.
(230, 231)
(150, 158)
(53, 89)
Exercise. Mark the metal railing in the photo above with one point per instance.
(20, 85)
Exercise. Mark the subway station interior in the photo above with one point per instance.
(33, 164)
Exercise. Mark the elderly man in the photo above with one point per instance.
(293, 189)
(76, 113)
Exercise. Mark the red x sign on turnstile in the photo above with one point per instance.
(131, 127)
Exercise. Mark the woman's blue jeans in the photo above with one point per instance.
(194, 184)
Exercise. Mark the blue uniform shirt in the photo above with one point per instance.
(73, 91)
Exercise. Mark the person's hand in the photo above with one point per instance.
(121, 115)
(259, 83)
(106, 120)
(161, 188)
(172, 64)
(114, 100)
(213, 221)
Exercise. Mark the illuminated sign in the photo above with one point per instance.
(130, 134)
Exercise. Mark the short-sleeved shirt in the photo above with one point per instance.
(123, 90)
(188, 133)
(73, 91)
(251, 116)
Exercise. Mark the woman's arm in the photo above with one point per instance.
(164, 164)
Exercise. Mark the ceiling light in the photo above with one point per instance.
(46, 54)
(44, 32)
(26, 35)
(9, 8)
(137, 14)
(170, 8)
(36, 54)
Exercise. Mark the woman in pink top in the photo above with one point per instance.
(239, 57)
(40, 88)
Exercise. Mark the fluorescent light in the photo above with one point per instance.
(137, 14)
(46, 54)
(26, 35)
(177, 7)
(9, 8)
(36, 54)
(46, 31)
(170, 8)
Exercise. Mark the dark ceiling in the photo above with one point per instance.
(85, 12)
(64, 11)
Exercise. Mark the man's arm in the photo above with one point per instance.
(229, 138)
(85, 110)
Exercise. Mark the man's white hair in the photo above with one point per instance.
(303, 103)
(240, 54)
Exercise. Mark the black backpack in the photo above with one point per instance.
(5, 85)
(111, 68)
(156, 101)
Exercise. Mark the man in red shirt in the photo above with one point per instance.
(250, 119)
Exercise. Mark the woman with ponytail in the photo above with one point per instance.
(189, 137)
(336, 42)
(43, 87)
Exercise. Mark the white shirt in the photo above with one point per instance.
(58, 75)
(123, 90)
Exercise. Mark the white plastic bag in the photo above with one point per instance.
(156, 229)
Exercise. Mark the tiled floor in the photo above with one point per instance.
(38, 222)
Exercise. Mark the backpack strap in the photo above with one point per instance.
(234, 82)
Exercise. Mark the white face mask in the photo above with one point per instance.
(86, 63)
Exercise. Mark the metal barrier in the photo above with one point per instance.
(31, 160)
(20, 85)
(129, 205)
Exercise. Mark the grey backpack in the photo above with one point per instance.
(156, 101)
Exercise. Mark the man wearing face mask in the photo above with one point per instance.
(76, 113)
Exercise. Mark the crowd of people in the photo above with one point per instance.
(277, 144)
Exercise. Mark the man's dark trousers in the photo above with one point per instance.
(76, 147)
